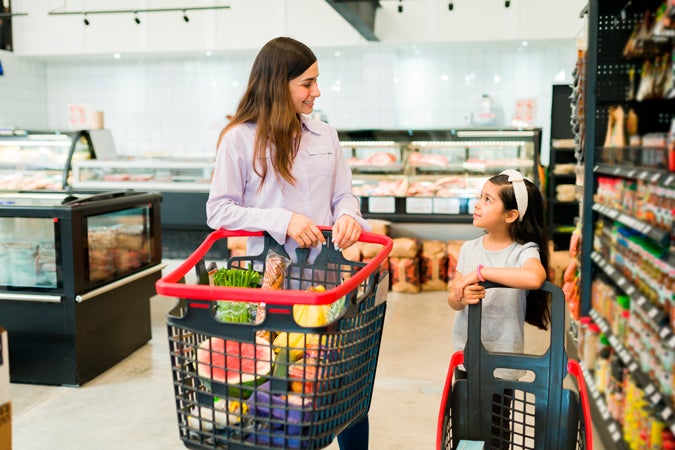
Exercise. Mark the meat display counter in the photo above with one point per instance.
(78, 274)
(433, 176)
(184, 185)
(32, 160)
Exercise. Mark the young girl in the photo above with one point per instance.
(514, 252)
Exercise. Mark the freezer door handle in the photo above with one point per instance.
(117, 283)
(30, 297)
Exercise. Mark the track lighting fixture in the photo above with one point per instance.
(451, 6)
(135, 12)
(507, 3)
(400, 6)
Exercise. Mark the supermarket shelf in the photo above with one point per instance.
(657, 317)
(608, 429)
(656, 176)
(662, 406)
(657, 234)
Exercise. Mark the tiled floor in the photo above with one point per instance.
(131, 405)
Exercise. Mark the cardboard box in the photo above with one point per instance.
(6, 426)
(470, 445)
(5, 404)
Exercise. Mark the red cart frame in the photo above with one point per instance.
(221, 404)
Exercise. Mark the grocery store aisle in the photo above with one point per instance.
(131, 405)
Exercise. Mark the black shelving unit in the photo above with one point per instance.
(607, 84)
(610, 25)
(562, 214)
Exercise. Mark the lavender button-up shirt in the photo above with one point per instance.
(322, 190)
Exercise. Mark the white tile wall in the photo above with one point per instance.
(178, 105)
(23, 93)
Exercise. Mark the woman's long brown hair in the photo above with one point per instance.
(267, 103)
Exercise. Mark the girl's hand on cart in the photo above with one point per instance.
(346, 232)
(473, 293)
(304, 231)
(468, 294)
(462, 283)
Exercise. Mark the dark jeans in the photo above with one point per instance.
(500, 433)
(355, 437)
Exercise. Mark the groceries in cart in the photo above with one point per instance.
(276, 266)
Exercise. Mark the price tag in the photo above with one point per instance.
(631, 173)
(419, 205)
(641, 301)
(616, 436)
(671, 342)
(625, 356)
(655, 177)
(617, 170)
(614, 341)
(656, 398)
(650, 389)
(666, 413)
(445, 205)
(382, 205)
(630, 290)
(663, 333)
(668, 180)
(653, 313)
(632, 366)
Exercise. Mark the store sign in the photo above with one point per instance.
(382, 205)
(419, 205)
(446, 205)
(78, 116)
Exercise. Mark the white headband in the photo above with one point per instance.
(519, 189)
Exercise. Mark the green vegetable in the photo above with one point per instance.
(233, 311)
(236, 277)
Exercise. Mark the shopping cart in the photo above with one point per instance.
(242, 385)
(534, 413)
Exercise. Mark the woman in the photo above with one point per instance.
(281, 172)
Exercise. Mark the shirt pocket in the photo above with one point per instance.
(320, 161)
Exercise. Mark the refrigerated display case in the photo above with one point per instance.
(32, 160)
(184, 185)
(78, 274)
(433, 176)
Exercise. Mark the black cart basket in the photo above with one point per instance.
(292, 379)
(534, 412)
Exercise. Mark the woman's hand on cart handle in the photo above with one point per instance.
(346, 232)
(304, 231)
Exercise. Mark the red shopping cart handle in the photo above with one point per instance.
(172, 286)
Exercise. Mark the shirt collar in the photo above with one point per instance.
(309, 125)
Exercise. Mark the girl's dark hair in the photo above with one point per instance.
(267, 102)
(531, 229)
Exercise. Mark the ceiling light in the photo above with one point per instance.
(136, 19)
(185, 17)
